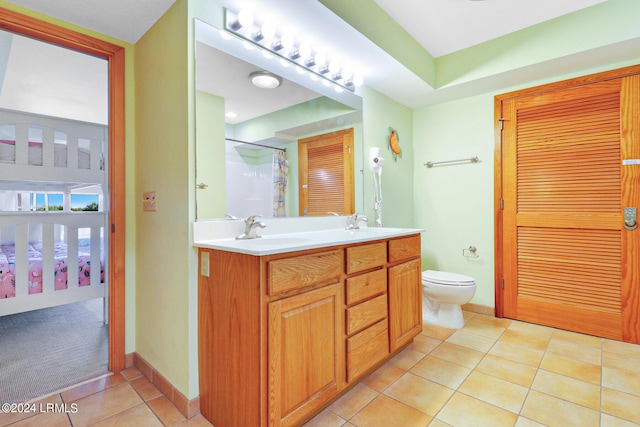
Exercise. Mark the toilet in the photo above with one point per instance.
(443, 294)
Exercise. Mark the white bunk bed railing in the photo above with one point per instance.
(22, 159)
(20, 223)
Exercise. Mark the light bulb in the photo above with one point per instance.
(338, 89)
(346, 73)
(304, 50)
(320, 59)
(245, 18)
(300, 70)
(334, 67)
(268, 31)
(358, 80)
(287, 41)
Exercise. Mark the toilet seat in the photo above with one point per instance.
(446, 278)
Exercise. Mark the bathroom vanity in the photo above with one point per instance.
(287, 323)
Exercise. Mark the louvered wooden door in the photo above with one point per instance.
(568, 262)
(326, 174)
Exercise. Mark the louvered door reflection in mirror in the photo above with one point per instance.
(326, 174)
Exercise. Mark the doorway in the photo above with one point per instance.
(29, 27)
(567, 166)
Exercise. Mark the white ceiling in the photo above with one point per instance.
(446, 26)
(441, 26)
(125, 20)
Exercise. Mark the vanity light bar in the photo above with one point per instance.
(265, 37)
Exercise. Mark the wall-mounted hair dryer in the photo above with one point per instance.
(375, 159)
(375, 163)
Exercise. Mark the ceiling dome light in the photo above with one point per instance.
(265, 79)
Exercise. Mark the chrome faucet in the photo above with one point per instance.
(353, 221)
(251, 228)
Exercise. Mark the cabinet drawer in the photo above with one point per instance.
(298, 272)
(366, 349)
(405, 248)
(365, 286)
(362, 315)
(360, 258)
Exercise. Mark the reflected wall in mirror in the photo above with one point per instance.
(243, 133)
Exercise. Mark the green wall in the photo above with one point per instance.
(379, 114)
(164, 164)
(454, 203)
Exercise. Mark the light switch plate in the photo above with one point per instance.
(205, 266)
(149, 202)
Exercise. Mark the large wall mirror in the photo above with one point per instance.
(243, 133)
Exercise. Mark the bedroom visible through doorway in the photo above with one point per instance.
(54, 216)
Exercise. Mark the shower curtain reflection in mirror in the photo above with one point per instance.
(256, 181)
(280, 177)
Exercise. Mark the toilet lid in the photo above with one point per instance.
(446, 278)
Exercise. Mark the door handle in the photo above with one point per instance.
(630, 218)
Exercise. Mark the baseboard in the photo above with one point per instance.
(479, 309)
(188, 408)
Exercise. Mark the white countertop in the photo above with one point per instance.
(290, 242)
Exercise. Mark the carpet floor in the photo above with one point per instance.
(46, 350)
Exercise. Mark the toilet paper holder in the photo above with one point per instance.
(470, 252)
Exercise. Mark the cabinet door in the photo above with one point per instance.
(306, 353)
(405, 303)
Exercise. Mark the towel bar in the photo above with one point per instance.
(474, 159)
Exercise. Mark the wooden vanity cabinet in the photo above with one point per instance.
(305, 339)
(281, 336)
(305, 344)
(405, 291)
(366, 310)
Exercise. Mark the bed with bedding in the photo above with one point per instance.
(50, 252)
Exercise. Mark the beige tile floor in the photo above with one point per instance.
(493, 372)
(497, 372)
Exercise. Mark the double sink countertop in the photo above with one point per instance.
(288, 235)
